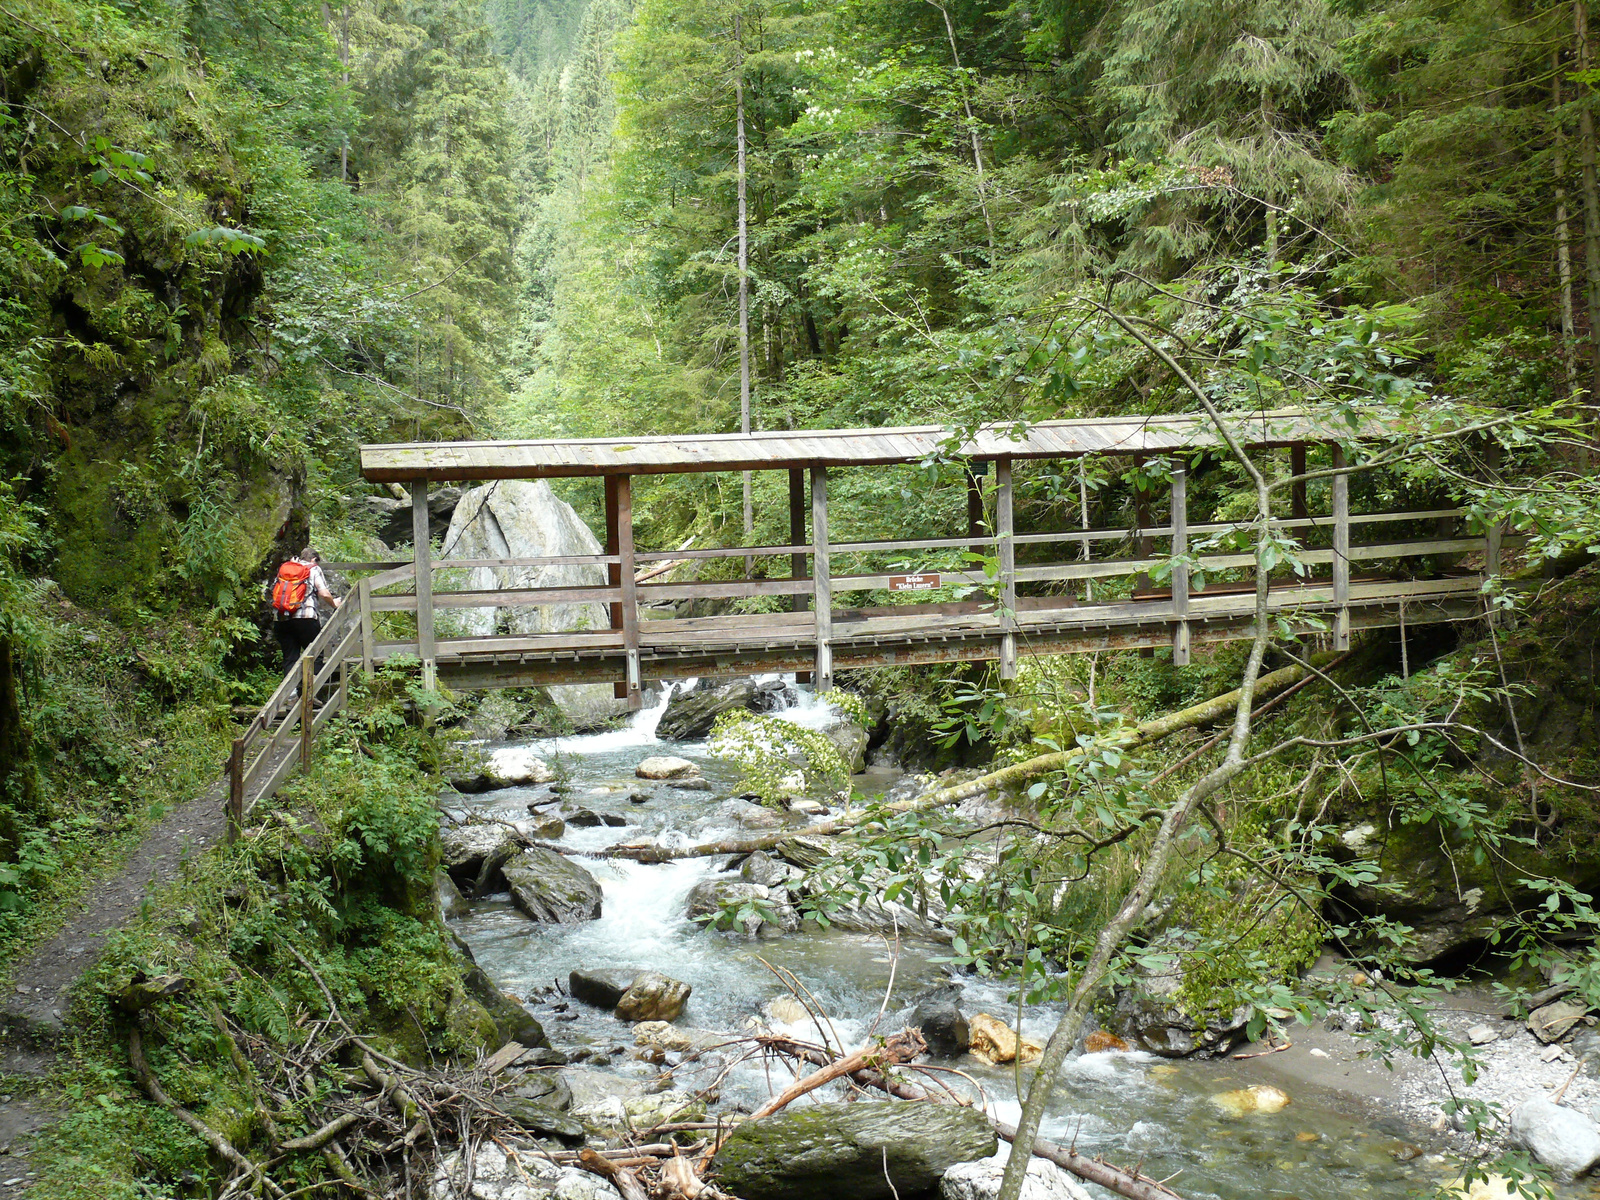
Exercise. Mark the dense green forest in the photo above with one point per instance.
(243, 237)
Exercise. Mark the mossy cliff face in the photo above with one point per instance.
(1458, 846)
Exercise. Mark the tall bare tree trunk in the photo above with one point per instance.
(972, 127)
(744, 289)
(1591, 193)
(1569, 334)
(344, 78)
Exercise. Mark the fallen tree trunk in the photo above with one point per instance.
(1131, 1184)
(1139, 737)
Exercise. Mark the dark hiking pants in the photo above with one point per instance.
(294, 635)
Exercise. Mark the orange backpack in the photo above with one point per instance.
(290, 588)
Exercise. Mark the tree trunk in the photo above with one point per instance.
(1569, 336)
(1591, 193)
(744, 287)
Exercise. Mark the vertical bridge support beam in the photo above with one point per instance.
(797, 537)
(821, 584)
(977, 527)
(1180, 569)
(1297, 489)
(421, 551)
(1341, 552)
(1008, 568)
(620, 574)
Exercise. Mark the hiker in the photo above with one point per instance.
(295, 592)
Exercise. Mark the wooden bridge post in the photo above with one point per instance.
(235, 790)
(421, 550)
(308, 683)
(821, 584)
(1492, 535)
(620, 575)
(1180, 569)
(1297, 488)
(1341, 552)
(797, 537)
(619, 690)
(1008, 568)
(364, 598)
(976, 525)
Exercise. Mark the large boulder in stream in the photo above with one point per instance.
(874, 1150)
(551, 887)
(690, 716)
(1562, 1139)
(653, 997)
(1151, 1015)
(749, 906)
(981, 1181)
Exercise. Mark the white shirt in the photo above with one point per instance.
(315, 583)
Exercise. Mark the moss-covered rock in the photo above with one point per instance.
(869, 1151)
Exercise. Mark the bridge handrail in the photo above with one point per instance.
(344, 637)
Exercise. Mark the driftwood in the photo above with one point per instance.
(1138, 737)
(1131, 1184)
(624, 1180)
(901, 1048)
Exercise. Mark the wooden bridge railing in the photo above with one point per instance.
(279, 738)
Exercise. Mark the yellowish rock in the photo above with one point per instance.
(1258, 1099)
(785, 1010)
(1305, 1135)
(1496, 1187)
(994, 1042)
(1162, 1071)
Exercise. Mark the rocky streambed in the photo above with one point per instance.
(648, 1012)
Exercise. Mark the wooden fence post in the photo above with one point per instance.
(364, 598)
(235, 790)
(421, 551)
(797, 537)
(821, 584)
(1008, 568)
(1341, 552)
(1180, 569)
(630, 594)
(308, 681)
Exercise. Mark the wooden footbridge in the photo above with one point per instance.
(1040, 591)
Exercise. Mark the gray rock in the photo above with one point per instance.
(1554, 1021)
(512, 1022)
(850, 740)
(452, 903)
(1564, 1140)
(981, 1181)
(707, 898)
(943, 1027)
(762, 869)
(549, 887)
(1482, 1035)
(1150, 1016)
(751, 816)
(691, 715)
(600, 988)
(666, 766)
(653, 997)
(541, 1120)
(868, 1151)
(522, 518)
(495, 1177)
(544, 1087)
